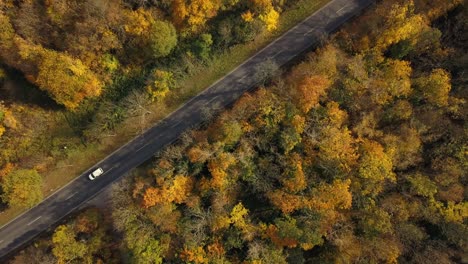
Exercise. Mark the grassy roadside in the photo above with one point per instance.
(81, 158)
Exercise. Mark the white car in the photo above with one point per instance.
(97, 172)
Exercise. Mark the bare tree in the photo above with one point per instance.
(208, 112)
(137, 104)
(266, 70)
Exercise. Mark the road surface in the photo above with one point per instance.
(227, 90)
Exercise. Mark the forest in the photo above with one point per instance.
(80, 78)
(357, 154)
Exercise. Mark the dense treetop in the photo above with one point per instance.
(357, 155)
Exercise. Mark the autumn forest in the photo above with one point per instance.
(355, 154)
(80, 78)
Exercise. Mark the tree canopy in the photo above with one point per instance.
(22, 188)
(355, 155)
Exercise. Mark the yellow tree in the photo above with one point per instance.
(194, 254)
(180, 189)
(294, 179)
(331, 197)
(285, 202)
(5, 170)
(138, 22)
(67, 80)
(401, 24)
(149, 37)
(193, 14)
(323, 64)
(174, 190)
(265, 11)
(337, 149)
(336, 145)
(270, 18)
(375, 167)
(152, 197)
(7, 120)
(159, 84)
(307, 92)
(422, 185)
(335, 117)
(404, 147)
(218, 169)
(179, 12)
(239, 217)
(393, 80)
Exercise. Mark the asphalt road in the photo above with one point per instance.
(224, 92)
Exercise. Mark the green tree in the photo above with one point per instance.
(435, 87)
(22, 188)
(6, 33)
(65, 246)
(202, 46)
(289, 138)
(375, 221)
(163, 38)
(147, 251)
(422, 185)
(144, 247)
(226, 131)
